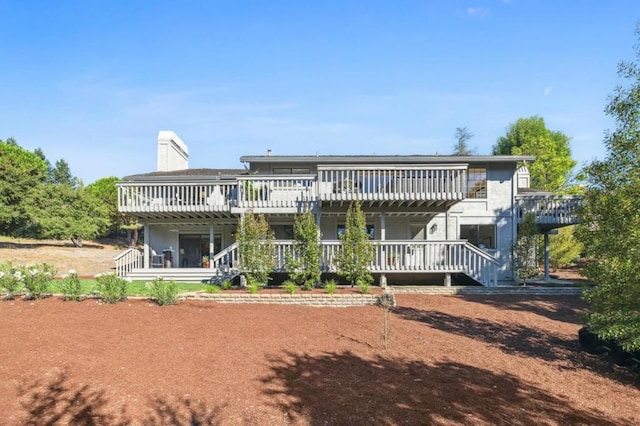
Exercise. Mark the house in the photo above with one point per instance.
(432, 218)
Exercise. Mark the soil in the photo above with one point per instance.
(449, 360)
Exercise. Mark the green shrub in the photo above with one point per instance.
(211, 288)
(70, 286)
(253, 285)
(111, 288)
(36, 279)
(363, 284)
(226, 285)
(11, 280)
(164, 292)
(330, 286)
(290, 286)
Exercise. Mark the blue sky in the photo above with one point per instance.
(94, 81)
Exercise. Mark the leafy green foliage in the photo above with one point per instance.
(70, 286)
(11, 280)
(610, 219)
(212, 288)
(564, 247)
(525, 259)
(356, 253)
(112, 289)
(226, 285)
(306, 263)
(290, 286)
(253, 285)
(104, 194)
(330, 286)
(164, 292)
(36, 280)
(529, 136)
(256, 248)
(463, 135)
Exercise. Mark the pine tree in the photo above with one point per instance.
(356, 252)
(305, 264)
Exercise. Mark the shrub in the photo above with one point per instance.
(70, 286)
(211, 288)
(111, 288)
(226, 285)
(36, 279)
(164, 292)
(253, 285)
(10, 280)
(330, 286)
(290, 286)
(363, 284)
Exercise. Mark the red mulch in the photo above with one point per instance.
(451, 360)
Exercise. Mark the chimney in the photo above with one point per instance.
(173, 154)
(268, 153)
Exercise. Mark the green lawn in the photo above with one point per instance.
(134, 288)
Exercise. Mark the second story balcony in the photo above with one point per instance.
(550, 211)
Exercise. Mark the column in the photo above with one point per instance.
(546, 257)
(211, 246)
(146, 245)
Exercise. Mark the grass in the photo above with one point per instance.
(135, 288)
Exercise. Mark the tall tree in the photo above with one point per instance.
(105, 192)
(356, 253)
(529, 136)
(610, 225)
(306, 262)
(255, 247)
(61, 174)
(463, 135)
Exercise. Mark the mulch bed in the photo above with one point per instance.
(450, 360)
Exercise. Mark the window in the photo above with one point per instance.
(294, 171)
(483, 236)
(341, 229)
(477, 182)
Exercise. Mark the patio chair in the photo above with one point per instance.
(157, 260)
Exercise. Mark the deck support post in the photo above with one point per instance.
(383, 226)
(211, 246)
(547, 277)
(447, 280)
(383, 281)
(146, 246)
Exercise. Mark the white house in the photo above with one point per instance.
(432, 218)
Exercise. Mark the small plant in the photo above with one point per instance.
(205, 261)
(363, 283)
(36, 279)
(226, 285)
(111, 288)
(253, 285)
(290, 286)
(70, 286)
(10, 280)
(386, 301)
(164, 292)
(330, 286)
(211, 288)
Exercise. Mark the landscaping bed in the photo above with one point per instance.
(450, 360)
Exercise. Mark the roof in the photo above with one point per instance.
(187, 174)
(388, 159)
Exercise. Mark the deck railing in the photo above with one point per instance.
(275, 191)
(550, 209)
(389, 182)
(176, 197)
(226, 258)
(130, 259)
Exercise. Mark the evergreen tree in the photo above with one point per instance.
(356, 253)
(306, 262)
(256, 248)
(610, 220)
(463, 135)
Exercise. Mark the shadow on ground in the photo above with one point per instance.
(58, 400)
(343, 388)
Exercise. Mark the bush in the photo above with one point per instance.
(290, 286)
(330, 286)
(211, 288)
(226, 285)
(10, 280)
(111, 288)
(164, 292)
(36, 279)
(253, 285)
(70, 286)
(363, 284)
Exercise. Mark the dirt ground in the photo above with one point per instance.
(450, 360)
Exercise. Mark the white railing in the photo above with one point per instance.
(176, 197)
(389, 182)
(550, 209)
(276, 191)
(130, 259)
(226, 259)
(410, 256)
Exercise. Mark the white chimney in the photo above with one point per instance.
(173, 154)
(268, 153)
(523, 176)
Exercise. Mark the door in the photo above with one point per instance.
(192, 248)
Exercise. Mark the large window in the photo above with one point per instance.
(483, 236)
(293, 171)
(477, 182)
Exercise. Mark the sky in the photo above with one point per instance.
(93, 82)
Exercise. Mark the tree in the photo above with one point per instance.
(529, 136)
(61, 174)
(610, 219)
(306, 262)
(357, 252)
(525, 250)
(564, 247)
(463, 135)
(105, 192)
(255, 248)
